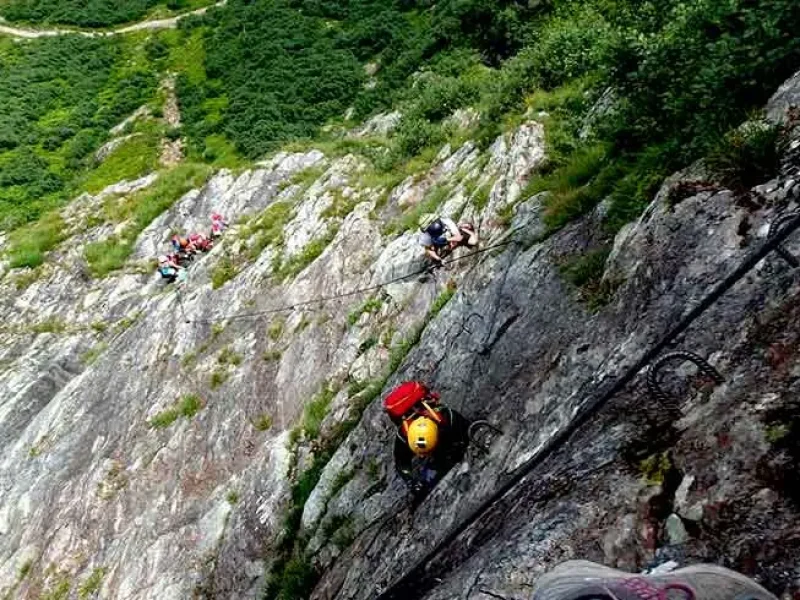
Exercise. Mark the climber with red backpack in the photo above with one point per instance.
(431, 437)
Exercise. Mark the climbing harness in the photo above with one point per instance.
(654, 381)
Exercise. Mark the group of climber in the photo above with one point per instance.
(185, 248)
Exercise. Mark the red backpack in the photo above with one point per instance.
(407, 396)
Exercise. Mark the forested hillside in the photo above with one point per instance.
(91, 13)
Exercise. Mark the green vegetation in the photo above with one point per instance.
(24, 570)
(267, 228)
(341, 206)
(232, 497)
(272, 355)
(585, 271)
(188, 406)
(92, 583)
(218, 377)
(228, 356)
(287, 269)
(370, 305)
(59, 589)
(441, 300)
(316, 410)
(91, 355)
(50, 325)
(28, 245)
(60, 96)
(746, 156)
(130, 160)
(275, 329)
(97, 13)
(655, 468)
(263, 422)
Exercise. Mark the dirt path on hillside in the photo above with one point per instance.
(152, 24)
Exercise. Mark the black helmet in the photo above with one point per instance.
(436, 228)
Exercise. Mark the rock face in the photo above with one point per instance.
(150, 434)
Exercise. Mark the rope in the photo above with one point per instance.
(413, 583)
(355, 292)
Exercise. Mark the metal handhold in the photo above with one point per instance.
(654, 383)
(773, 229)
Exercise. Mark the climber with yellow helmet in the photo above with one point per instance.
(430, 439)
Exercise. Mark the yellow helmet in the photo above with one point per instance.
(423, 435)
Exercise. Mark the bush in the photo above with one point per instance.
(746, 156)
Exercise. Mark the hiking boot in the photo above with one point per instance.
(584, 580)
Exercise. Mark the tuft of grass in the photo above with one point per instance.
(218, 377)
(262, 422)
(341, 206)
(49, 325)
(188, 359)
(25, 569)
(92, 583)
(29, 244)
(24, 280)
(306, 256)
(91, 355)
(367, 344)
(275, 329)
(216, 330)
(441, 300)
(306, 178)
(228, 356)
(292, 579)
(481, 197)
(223, 271)
(60, 591)
(107, 256)
(272, 355)
(99, 326)
(132, 159)
(164, 419)
(188, 406)
(370, 305)
(775, 433)
(232, 497)
(585, 272)
(316, 410)
(655, 468)
(267, 228)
